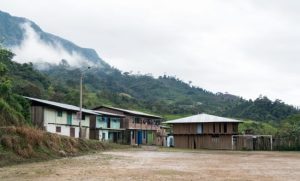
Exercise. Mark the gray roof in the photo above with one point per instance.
(133, 112)
(109, 114)
(203, 118)
(61, 105)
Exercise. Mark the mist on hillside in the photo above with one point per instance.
(34, 49)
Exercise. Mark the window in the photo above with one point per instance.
(108, 122)
(220, 128)
(214, 127)
(58, 129)
(199, 128)
(234, 128)
(132, 134)
(145, 133)
(225, 127)
(83, 117)
(59, 113)
(137, 120)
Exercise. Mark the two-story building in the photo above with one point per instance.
(204, 131)
(59, 118)
(107, 127)
(140, 128)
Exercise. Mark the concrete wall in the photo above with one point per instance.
(50, 116)
(52, 120)
(65, 130)
(106, 135)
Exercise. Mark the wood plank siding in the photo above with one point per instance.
(203, 141)
(204, 135)
(37, 116)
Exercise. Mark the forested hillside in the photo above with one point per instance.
(164, 95)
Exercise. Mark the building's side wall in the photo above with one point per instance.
(208, 128)
(65, 130)
(52, 120)
(144, 125)
(103, 135)
(37, 116)
(50, 116)
(203, 141)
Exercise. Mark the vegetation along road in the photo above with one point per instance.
(163, 164)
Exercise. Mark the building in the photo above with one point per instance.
(139, 128)
(59, 118)
(107, 127)
(204, 131)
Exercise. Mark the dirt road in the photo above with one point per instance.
(166, 164)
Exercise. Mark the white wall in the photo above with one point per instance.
(106, 135)
(50, 116)
(65, 130)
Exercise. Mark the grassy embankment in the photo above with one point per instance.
(26, 144)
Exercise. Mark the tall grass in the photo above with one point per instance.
(30, 143)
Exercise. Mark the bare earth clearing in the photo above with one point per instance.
(162, 164)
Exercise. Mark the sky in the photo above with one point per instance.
(246, 48)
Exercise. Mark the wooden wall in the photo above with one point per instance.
(207, 128)
(222, 142)
(37, 116)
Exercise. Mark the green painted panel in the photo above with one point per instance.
(69, 119)
(101, 122)
(115, 123)
(149, 137)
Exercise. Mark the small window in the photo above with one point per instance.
(219, 127)
(199, 128)
(58, 129)
(214, 127)
(225, 127)
(83, 117)
(59, 113)
(137, 120)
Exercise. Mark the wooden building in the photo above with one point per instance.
(139, 128)
(204, 131)
(107, 127)
(59, 118)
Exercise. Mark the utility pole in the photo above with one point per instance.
(80, 109)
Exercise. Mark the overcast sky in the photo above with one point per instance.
(246, 48)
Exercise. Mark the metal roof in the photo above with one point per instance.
(203, 118)
(132, 112)
(108, 113)
(61, 105)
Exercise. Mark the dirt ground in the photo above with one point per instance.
(162, 164)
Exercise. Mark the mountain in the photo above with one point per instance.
(12, 34)
(165, 95)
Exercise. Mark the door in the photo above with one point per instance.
(140, 137)
(69, 119)
(149, 137)
(72, 132)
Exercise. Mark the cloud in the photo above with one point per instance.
(34, 49)
(246, 48)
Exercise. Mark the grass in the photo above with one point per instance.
(27, 144)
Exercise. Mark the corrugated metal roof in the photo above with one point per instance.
(108, 113)
(202, 118)
(132, 112)
(61, 105)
